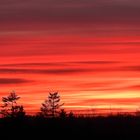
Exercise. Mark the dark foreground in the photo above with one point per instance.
(118, 127)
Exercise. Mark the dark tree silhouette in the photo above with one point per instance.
(71, 115)
(45, 109)
(51, 105)
(62, 114)
(10, 107)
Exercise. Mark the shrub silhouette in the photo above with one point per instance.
(51, 105)
(10, 107)
(62, 114)
(71, 115)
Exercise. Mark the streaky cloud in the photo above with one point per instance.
(7, 81)
(132, 68)
(43, 71)
(61, 63)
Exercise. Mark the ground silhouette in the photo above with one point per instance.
(111, 127)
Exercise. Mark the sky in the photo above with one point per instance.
(87, 50)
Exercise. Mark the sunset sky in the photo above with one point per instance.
(87, 50)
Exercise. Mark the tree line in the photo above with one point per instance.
(51, 107)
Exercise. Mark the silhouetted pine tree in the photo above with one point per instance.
(10, 107)
(45, 109)
(51, 105)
